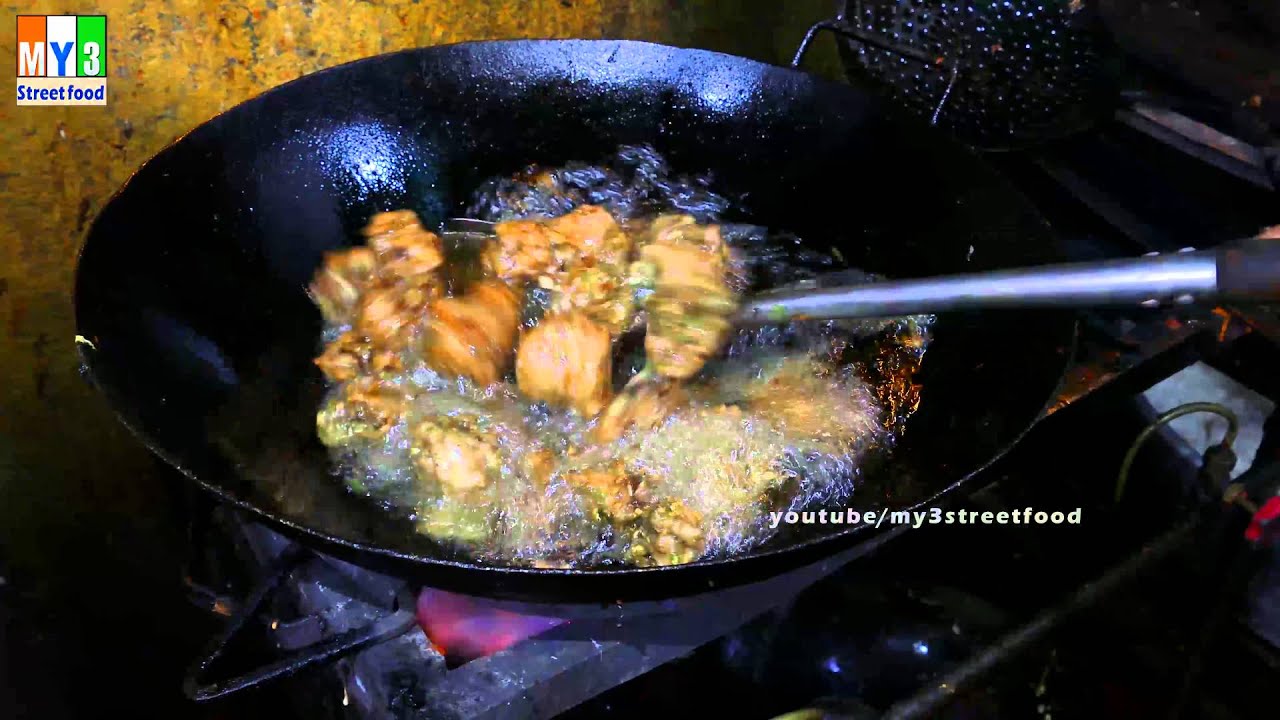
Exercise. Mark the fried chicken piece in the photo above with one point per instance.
(642, 404)
(364, 409)
(617, 496)
(592, 265)
(699, 248)
(381, 291)
(337, 285)
(352, 355)
(565, 361)
(454, 453)
(580, 257)
(403, 247)
(474, 335)
(398, 249)
(687, 266)
(602, 293)
(590, 236)
(391, 314)
(387, 317)
(521, 250)
(685, 330)
(344, 358)
(706, 241)
(538, 467)
(669, 533)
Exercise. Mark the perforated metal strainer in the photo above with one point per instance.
(995, 73)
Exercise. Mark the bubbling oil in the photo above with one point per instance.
(784, 419)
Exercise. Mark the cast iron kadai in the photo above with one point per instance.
(190, 291)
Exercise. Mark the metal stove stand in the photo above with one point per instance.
(388, 670)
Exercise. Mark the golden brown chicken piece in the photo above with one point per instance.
(592, 266)
(680, 252)
(364, 409)
(617, 497)
(381, 291)
(521, 250)
(687, 266)
(538, 466)
(403, 247)
(580, 257)
(590, 236)
(565, 361)
(601, 292)
(453, 455)
(352, 355)
(344, 358)
(387, 318)
(341, 279)
(642, 404)
(684, 331)
(474, 335)
(706, 241)
(669, 533)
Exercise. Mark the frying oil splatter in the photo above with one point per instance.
(783, 419)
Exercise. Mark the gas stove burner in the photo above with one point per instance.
(451, 655)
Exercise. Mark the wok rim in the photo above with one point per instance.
(318, 540)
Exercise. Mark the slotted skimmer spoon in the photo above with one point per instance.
(1245, 270)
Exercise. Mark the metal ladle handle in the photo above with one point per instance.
(1246, 271)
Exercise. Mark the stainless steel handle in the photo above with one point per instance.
(1182, 277)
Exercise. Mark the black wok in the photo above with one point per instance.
(190, 290)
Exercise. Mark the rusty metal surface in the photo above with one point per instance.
(1129, 344)
(1225, 50)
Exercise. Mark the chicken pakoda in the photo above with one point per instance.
(641, 405)
(454, 394)
(403, 247)
(581, 259)
(686, 266)
(341, 280)
(565, 361)
(616, 495)
(520, 250)
(379, 292)
(472, 335)
(454, 456)
(364, 409)
(669, 533)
